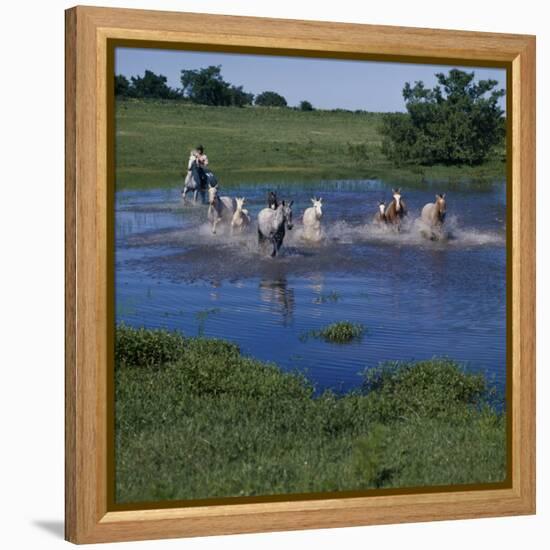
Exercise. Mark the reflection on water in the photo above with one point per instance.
(280, 296)
(416, 297)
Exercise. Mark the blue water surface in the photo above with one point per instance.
(416, 298)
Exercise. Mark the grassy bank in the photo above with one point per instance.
(258, 144)
(196, 419)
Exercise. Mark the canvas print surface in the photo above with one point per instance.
(310, 276)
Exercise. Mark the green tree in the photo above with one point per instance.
(457, 122)
(151, 85)
(240, 98)
(305, 106)
(122, 86)
(207, 87)
(270, 99)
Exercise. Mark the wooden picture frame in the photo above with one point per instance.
(90, 33)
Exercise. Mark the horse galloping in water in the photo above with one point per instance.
(433, 216)
(241, 218)
(380, 216)
(196, 181)
(220, 209)
(396, 210)
(272, 224)
(312, 220)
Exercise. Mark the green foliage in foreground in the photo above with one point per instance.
(261, 144)
(341, 332)
(210, 422)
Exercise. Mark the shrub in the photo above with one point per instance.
(305, 106)
(270, 99)
(457, 122)
(216, 367)
(358, 152)
(433, 388)
(141, 347)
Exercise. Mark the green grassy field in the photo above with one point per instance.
(196, 419)
(258, 144)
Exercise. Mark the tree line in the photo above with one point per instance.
(458, 121)
(204, 86)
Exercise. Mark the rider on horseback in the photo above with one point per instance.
(201, 160)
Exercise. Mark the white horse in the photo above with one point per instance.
(271, 225)
(433, 217)
(241, 218)
(380, 216)
(193, 182)
(312, 220)
(220, 209)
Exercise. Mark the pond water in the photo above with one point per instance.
(417, 298)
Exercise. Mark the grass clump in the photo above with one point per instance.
(341, 332)
(146, 348)
(209, 422)
(427, 389)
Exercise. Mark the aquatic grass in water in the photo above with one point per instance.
(341, 332)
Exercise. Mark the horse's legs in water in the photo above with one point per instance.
(184, 193)
(195, 192)
(261, 238)
(277, 240)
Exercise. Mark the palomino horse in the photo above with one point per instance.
(271, 225)
(312, 220)
(241, 218)
(433, 216)
(194, 182)
(396, 210)
(380, 216)
(220, 209)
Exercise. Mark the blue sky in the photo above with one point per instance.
(326, 83)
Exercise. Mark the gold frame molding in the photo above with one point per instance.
(91, 34)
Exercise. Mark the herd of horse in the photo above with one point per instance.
(276, 218)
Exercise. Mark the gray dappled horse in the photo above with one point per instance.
(272, 223)
(197, 182)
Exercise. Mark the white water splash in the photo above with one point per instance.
(413, 232)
